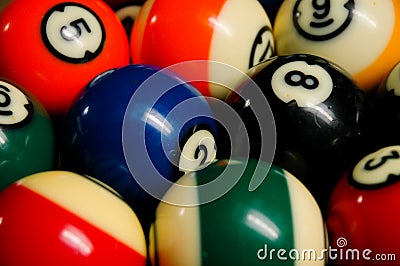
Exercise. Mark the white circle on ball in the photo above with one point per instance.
(73, 32)
(377, 167)
(198, 151)
(308, 85)
(14, 105)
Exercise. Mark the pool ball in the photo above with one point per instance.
(54, 49)
(27, 139)
(137, 129)
(363, 208)
(58, 217)
(320, 117)
(234, 32)
(241, 227)
(361, 36)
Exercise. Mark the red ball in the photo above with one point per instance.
(61, 218)
(363, 215)
(234, 32)
(55, 48)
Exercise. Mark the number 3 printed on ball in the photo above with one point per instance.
(380, 168)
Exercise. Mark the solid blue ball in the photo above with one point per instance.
(138, 129)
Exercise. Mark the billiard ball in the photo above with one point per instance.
(320, 117)
(234, 32)
(58, 217)
(137, 129)
(241, 227)
(54, 49)
(27, 137)
(363, 207)
(361, 36)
